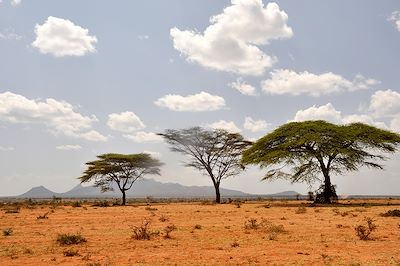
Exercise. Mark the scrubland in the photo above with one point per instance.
(201, 233)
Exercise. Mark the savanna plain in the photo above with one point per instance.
(287, 232)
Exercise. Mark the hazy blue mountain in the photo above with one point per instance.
(39, 192)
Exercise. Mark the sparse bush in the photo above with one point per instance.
(363, 232)
(12, 209)
(251, 224)
(103, 204)
(44, 216)
(76, 204)
(70, 239)
(168, 230)
(143, 231)
(235, 244)
(71, 253)
(391, 213)
(198, 226)
(163, 218)
(301, 210)
(7, 231)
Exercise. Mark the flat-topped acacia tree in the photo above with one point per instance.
(120, 169)
(302, 151)
(214, 152)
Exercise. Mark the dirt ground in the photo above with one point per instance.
(250, 233)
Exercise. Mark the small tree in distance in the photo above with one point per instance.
(215, 152)
(120, 169)
(310, 148)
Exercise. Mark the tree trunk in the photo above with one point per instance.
(217, 193)
(123, 197)
(327, 189)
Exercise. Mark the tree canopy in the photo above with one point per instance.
(120, 169)
(302, 151)
(214, 152)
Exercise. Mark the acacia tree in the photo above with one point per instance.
(215, 152)
(311, 148)
(120, 169)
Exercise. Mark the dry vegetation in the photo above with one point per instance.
(256, 233)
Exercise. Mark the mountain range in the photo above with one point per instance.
(145, 188)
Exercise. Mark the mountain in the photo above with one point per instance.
(141, 189)
(39, 192)
(289, 193)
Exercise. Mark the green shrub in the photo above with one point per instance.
(143, 232)
(70, 239)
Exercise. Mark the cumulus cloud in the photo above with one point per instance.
(125, 122)
(395, 18)
(200, 102)
(228, 126)
(385, 103)
(328, 112)
(395, 124)
(231, 42)
(254, 125)
(141, 137)
(68, 147)
(60, 37)
(244, 88)
(285, 81)
(58, 116)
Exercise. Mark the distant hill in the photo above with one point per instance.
(141, 189)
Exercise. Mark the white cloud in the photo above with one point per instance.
(200, 102)
(254, 125)
(143, 37)
(395, 124)
(230, 42)
(154, 154)
(60, 37)
(15, 2)
(125, 122)
(228, 126)
(285, 81)
(324, 112)
(243, 87)
(328, 113)
(142, 136)
(6, 148)
(385, 103)
(68, 147)
(58, 116)
(395, 18)
(9, 34)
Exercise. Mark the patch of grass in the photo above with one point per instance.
(70, 239)
(103, 204)
(71, 253)
(44, 216)
(391, 213)
(143, 232)
(168, 230)
(12, 209)
(363, 232)
(8, 231)
(301, 210)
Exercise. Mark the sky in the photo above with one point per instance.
(82, 78)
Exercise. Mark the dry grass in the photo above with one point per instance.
(208, 235)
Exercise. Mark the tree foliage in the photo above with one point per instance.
(302, 151)
(120, 169)
(215, 153)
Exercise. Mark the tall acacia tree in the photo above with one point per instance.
(215, 152)
(302, 151)
(120, 169)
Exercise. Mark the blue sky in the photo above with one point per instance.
(80, 78)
